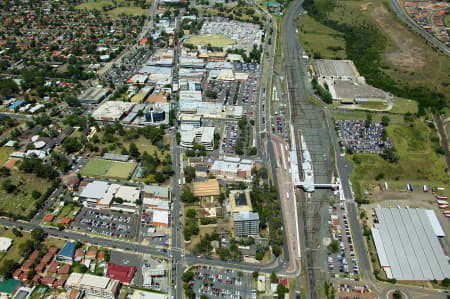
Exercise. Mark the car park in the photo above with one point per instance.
(105, 223)
(362, 138)
(221, 283)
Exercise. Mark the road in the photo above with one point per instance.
(401, 13)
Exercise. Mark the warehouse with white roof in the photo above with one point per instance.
(407, 244)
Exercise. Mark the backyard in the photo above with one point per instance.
(4, 154)
(14, 252)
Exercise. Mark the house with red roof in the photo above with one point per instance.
(48, 281)
(53, 268)
(40, 268)
(66, 221)
(59, 283)
(23, 276)
(17, 273)
(121, 273)
(91, 254)
(49, 217)
(64, 270)
(26, 266)
(36, 279)
(46, 258)
(79, 255)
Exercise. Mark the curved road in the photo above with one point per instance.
(401, 13)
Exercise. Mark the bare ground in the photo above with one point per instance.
(405, 53)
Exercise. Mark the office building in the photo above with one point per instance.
(92, 285)
(245, 224)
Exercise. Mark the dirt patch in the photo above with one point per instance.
(405, 54)
(364, 6)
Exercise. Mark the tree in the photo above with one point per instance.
(397, 295)
(78, 268)
(190, 213)
(262, 173)
(273, 275)
(188, 196)
(8, 186)
(187, 276)
(37, 234)
(240, 274)
(334, 246)
(368, 120)
(71, 145)
(385, 120)
(446, 282)
(255, 275)
(4, 172)
(189, 173)
(211, 94)
(17, 232)
(133, 150)
(390, 154)
(9, 266)
(282, 290)
(252, 151)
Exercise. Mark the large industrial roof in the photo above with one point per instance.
(406, 242)
(335, 68)
(96, 189)
(434, 221)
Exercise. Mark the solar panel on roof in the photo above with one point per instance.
(241, 200)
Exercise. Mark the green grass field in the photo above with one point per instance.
(20, 201)
(91, 5)
(108, 169)
(129, 11)
(419, 163)
(14, 252)
(404, 106)
(218, 40)
(317, 38)
(4, 154)
(96, 167)
(121, 170)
